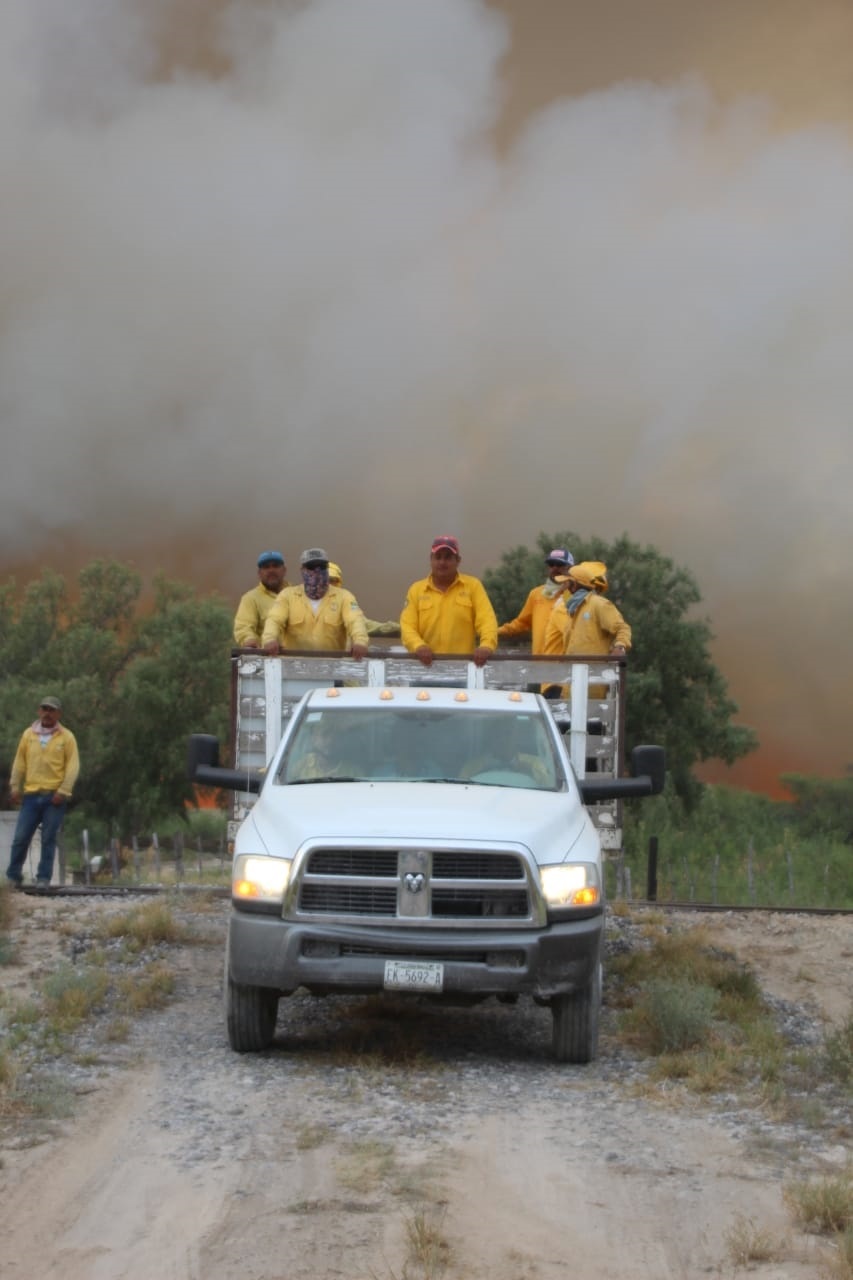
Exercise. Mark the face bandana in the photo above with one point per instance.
(575, 600)
(315, 582)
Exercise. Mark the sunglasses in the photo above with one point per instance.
(316, 564)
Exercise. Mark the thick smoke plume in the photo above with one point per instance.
(267, 277)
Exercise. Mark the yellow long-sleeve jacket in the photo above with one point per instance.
(534, 617)
(337, 624)
(54, 767)
(596, 626)
(453, 621)
(252, 612)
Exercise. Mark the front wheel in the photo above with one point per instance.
(575, 1026)
(250, 1014)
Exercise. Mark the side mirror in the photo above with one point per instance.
(203, 767)
(650, 762)
(648, 774)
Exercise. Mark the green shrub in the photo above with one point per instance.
(676, 1015)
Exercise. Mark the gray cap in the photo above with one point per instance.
(52, 702)
(313, 553)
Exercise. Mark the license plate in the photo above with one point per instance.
(413, 975)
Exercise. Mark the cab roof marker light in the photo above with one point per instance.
(461, 696)
(386, 695)
(422, 696)
(515, 696)
(333, 693)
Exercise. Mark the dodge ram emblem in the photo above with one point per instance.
(414, 881)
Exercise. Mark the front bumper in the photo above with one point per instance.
(266, 951)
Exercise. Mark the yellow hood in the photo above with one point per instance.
(591, 574)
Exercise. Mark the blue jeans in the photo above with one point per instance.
(37, 810)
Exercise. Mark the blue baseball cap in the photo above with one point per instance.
(560, 556)
(270, 557)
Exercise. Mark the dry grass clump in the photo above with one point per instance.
(839, 1265)
(364, 1166)
(837, 1057)
(8, 950)
(145, 925)
(71, 995)
(824, 1206)
(429, 1250)
(150, 989)
(748, 1244)
(310, 1136)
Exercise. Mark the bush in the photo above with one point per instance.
(676, 1015)
(838, 1053)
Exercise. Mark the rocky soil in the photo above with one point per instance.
(377, 1142)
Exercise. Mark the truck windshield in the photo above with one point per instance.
(365, 744)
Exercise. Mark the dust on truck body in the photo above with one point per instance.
(436, 831)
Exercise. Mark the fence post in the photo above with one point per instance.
(87, 869)
(652, 871)
(114, 857)
(178, 842)
(750, 880)
(155, 844)
(135, 843)
(790, 861)
(620, 875)
(198, 846)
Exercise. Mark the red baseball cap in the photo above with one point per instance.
(445, 541)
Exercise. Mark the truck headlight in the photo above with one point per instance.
(571, 884)
(258, 879)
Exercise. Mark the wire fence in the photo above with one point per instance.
(144, 860)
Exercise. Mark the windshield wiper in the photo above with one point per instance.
(462, 782)
(328, 777)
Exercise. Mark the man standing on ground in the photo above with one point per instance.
(536, 610)
(43, 776)
(449, 611)
(254, 607)
(315, 615)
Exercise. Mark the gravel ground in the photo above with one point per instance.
(310, 1159)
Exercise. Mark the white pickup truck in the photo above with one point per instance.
(426, 835)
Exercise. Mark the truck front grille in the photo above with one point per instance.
(414, 885)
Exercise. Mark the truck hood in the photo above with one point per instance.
(546, 823)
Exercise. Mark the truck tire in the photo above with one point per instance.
(250, 1014)
(575, 1023)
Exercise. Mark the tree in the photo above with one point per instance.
(822, 806)
(135, 678)
(676, 695)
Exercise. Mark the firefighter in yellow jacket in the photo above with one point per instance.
(254, 607)
(448, 612)
(536, 610)
(587, 623)
(44, 771)
(315, 615)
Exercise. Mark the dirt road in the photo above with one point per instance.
(376, 1143)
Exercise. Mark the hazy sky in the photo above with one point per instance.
(278, 273)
